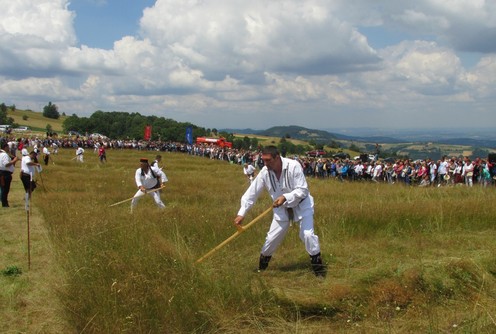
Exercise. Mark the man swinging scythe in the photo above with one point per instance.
(148, 178)
(285, 181)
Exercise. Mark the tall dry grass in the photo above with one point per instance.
(399, 259)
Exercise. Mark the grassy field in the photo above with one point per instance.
(400, 260)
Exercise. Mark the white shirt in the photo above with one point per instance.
(458, 169)
(377, 170)
(45, 150)
(369, 169)
(467, 168)
(292, 185)
(249, 169)
(433, 168)
(4, 161)
(25, 168)
(359, 169)
(443, 167)
(148, 180)
(79, 151)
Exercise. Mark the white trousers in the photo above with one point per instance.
(155, 195)
(278, 230)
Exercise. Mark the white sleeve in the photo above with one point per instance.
(137, 177)
(159, 173)
(251, 194)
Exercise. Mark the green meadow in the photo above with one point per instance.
(400, 259)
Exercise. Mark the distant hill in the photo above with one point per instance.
(319, 136)
(302, 133)
(416, 147)
(298, 132)
(468, 141)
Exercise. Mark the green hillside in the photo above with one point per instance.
(35, 120)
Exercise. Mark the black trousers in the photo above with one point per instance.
(29, 185)
(5, 181)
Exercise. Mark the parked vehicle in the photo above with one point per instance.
(341, 155)
(365, 157)
(316, 153)
(216, 141)
(97, 136)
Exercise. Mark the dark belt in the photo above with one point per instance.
(5, 172)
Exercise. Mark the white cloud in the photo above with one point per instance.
(257, 63)
(48, 20)
(242, 38)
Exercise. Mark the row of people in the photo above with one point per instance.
(446, 171)
(343, 169)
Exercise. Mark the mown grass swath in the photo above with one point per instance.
(405, 259)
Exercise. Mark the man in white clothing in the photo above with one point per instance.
(156, 162)
(432, 171)
(442, 171)
(285, 181)
(46, 155)
(80, 154)
(7, 164)
(148, 178)
(468, 171)
(29, 165)
(377, 172)
(249, 171)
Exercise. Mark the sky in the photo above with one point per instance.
(320, 64)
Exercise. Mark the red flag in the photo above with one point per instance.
(148, 132)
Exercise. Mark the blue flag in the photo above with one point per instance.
(189, 135)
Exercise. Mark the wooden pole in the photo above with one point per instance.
(240, 230)
(42, 183)
(28, 211)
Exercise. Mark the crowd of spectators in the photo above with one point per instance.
(443, 172)
(426, 172)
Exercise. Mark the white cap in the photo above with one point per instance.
(25, 151)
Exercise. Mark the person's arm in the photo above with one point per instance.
(160, 174)
(250, 196)
(5, 160)
(139, 182)
(32, 163)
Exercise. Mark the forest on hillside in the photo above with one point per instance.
(124, 125)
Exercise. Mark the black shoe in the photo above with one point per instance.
(318, 267)
(264, 262)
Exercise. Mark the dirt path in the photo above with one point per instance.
(29, 302)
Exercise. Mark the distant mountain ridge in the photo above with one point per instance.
(298, 132)
(302, 133)
(322, 136)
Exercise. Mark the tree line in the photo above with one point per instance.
(124, 125)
